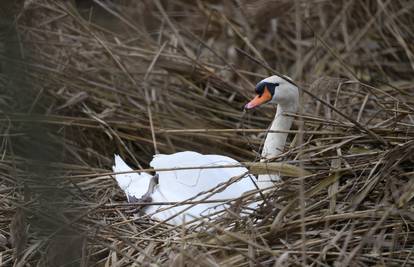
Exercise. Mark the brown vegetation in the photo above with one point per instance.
(139, 77)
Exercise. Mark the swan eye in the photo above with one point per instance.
(271, 87)
(260, 88)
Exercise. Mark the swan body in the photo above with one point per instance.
(181, 185)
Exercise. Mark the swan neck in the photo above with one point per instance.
(275, 142)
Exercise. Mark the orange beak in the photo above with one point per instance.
(259, 100)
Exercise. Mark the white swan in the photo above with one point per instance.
(180, 185)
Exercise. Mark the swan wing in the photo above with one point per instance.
(182, 184)
(133, 184)
(191, 176)
(200, 175)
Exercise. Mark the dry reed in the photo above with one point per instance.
(137, 77)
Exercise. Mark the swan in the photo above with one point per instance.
(181, 185)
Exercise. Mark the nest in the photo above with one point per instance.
(142, 77)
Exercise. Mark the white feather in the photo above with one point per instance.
(180, 185)
(133, 184)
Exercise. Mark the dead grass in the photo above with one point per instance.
(138, 77)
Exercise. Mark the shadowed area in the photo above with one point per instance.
(41, 202)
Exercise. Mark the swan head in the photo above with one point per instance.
(276, 90)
